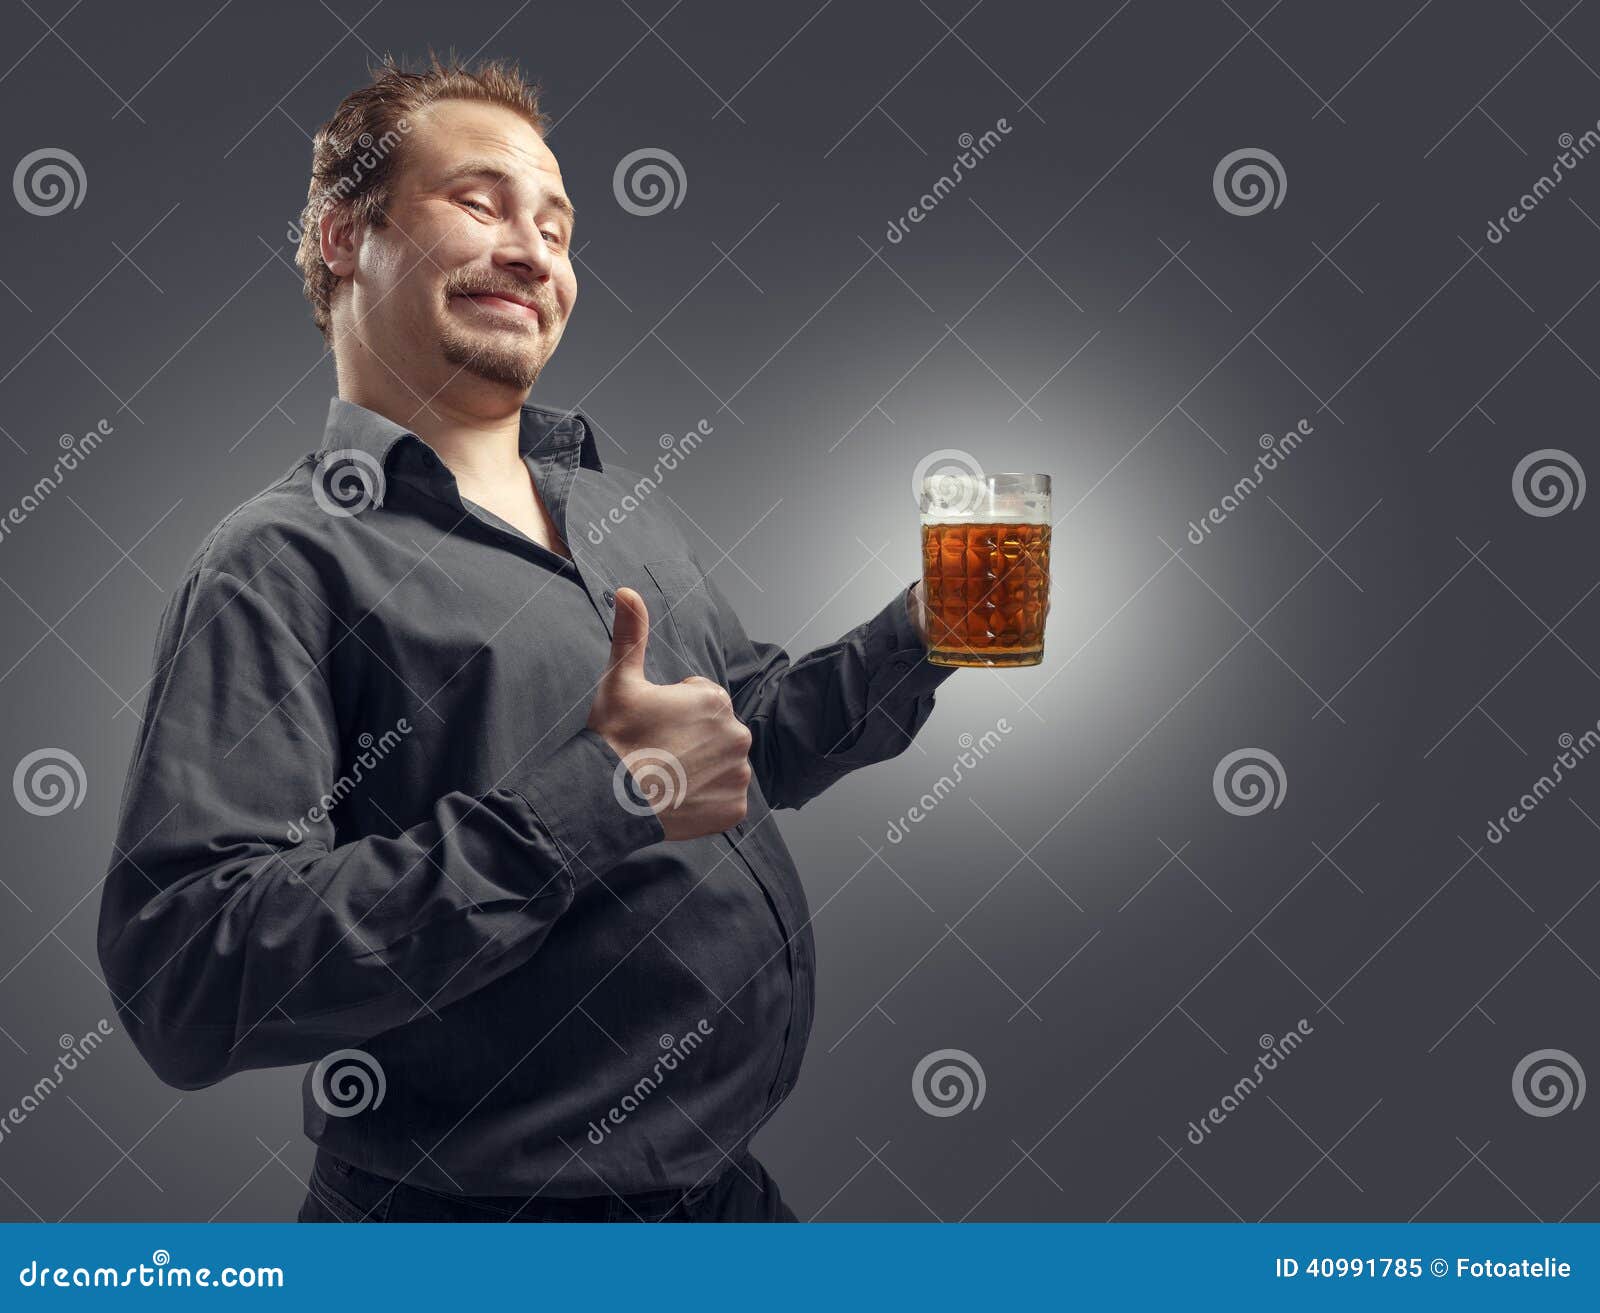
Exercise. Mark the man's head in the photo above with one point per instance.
(430, 193)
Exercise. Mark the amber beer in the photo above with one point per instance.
(986, 567)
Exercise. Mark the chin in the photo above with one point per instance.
(493, 359)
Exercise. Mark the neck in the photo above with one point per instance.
(477, 437)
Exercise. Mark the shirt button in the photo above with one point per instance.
(898, 665)
(610, 597)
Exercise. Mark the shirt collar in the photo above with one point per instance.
(544, 432)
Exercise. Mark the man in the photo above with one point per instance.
(436, 795)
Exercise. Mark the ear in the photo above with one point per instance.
(340, 240)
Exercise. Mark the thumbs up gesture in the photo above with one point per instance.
(688, 752)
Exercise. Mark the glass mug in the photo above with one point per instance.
(986, 567)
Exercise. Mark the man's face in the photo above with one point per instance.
(476, 208)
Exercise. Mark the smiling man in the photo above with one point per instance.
(470, 816)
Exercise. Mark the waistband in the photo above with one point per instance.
(596, 1208)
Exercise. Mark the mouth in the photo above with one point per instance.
(502, 305)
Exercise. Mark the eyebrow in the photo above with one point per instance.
(490, 170)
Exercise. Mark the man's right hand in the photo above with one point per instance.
(693, 762)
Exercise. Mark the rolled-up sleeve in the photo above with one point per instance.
(236, 932)
(813, 720)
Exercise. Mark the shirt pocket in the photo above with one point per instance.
(686, 616)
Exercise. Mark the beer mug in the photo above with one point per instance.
(986, 567)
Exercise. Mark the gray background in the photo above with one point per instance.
(1425, 641)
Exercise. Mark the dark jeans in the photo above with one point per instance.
(741, 1191)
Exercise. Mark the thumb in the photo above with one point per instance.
(630, 632)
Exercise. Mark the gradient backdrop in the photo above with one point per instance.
(1078, 915)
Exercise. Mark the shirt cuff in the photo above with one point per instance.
(897, 658)
(579, 796)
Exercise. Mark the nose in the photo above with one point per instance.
(523, 250)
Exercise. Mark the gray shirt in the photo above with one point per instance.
(365, 826)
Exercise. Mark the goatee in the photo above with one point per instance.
(515, 364)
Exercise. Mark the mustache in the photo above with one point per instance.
(511, 291)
